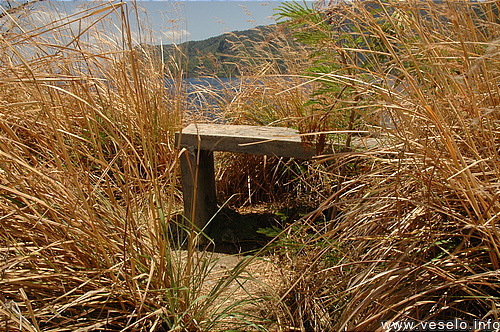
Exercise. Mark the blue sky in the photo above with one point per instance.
(204, 19)
(178, 21)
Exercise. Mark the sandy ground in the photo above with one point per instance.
(262, 277)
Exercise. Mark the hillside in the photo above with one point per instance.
(218, 55)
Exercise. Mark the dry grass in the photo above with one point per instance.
(417, 238)
(89, 185)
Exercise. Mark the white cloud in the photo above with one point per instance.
(58, 23)
(171, 36)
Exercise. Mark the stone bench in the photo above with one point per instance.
(199, 141)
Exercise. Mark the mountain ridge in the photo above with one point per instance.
(219, 55)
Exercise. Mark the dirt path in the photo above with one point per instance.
(260, 279)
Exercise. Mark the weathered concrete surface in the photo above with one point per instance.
(198, 186)
(272, 141)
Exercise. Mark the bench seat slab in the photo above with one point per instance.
(259, 140)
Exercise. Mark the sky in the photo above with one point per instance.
(203, 19)
(179, 21)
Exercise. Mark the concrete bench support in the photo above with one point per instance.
(198, 185)
(197, 160)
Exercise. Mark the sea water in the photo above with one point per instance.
(206, 97)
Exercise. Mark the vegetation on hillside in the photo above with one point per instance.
(90, 203)
(221, 55)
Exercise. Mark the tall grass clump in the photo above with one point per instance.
(88, 181)
(415, 236)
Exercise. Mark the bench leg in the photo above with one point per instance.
(198, 186)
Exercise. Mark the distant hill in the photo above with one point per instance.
(216, 55)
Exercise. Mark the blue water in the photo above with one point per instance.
(207, 96)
